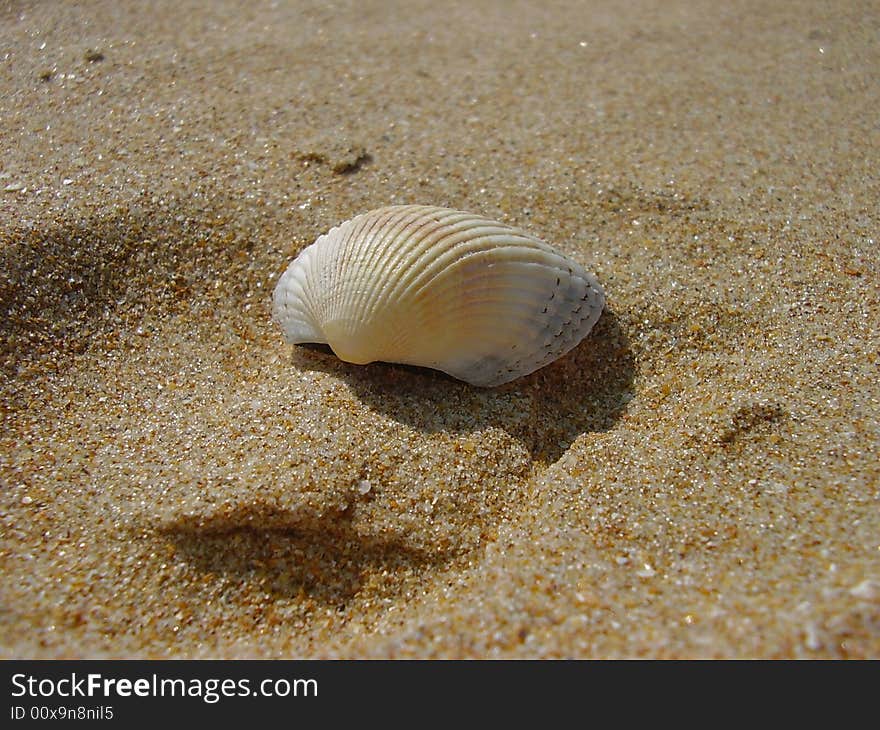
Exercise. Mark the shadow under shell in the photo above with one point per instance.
(585, 390)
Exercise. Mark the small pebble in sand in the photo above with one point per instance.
(867, 590)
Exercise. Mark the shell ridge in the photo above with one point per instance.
(519, 281)
(300, 272)
(291, 306)
(358, 232)
(461, 255)
(343, 262)
(431, 263)
(346, 263)
(427, 247)
(391, 248)
(317, 295)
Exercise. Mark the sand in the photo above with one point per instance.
(699, 478)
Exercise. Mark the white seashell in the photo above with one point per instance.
(444, 289)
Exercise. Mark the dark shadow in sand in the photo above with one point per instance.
(586, 390)
(326, 560)
(82, 283)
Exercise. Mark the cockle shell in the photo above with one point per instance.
(444, 289)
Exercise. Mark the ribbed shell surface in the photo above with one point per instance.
(440, 288)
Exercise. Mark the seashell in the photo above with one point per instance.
(440, 288)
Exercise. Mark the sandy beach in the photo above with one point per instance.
(700, 478)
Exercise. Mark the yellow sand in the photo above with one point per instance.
(700, 478)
